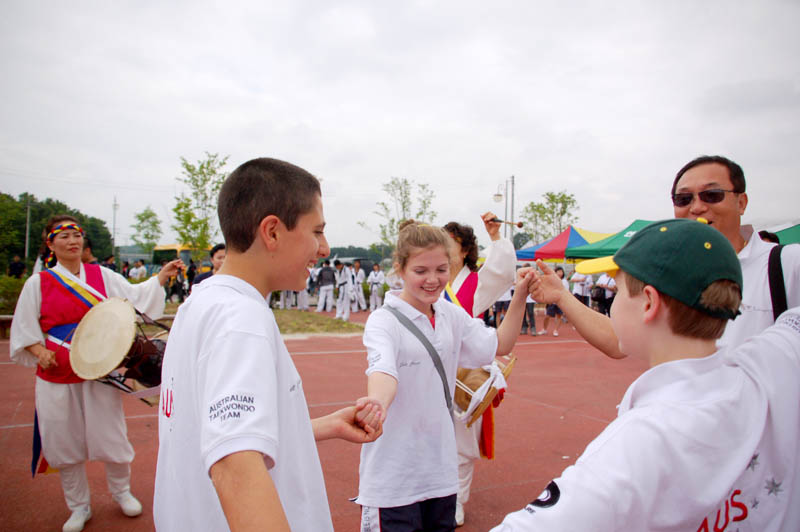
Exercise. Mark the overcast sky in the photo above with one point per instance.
(606, 100)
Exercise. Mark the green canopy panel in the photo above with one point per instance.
(607, 246)
(790, 235)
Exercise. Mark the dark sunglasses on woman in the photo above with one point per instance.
(714, 195)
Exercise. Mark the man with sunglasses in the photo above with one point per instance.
(712, 188)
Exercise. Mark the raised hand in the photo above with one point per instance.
(493, 228)
(546, 287)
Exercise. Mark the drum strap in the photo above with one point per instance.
(437, 362)
(149, 321)
(80, 289)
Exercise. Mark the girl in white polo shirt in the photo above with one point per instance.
(408, 477)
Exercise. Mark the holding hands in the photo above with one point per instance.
(370, 415)
(360, 423)
(525, 279)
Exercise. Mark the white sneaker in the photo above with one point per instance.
(129, 504)
(459, 514)
(555, 333)
(543, 332)
(77, 520)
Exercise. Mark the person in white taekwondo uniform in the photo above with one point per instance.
(303, 295)
(375, 281)
(344, 282)
(77, 420)
(707, 439)
(359, 302)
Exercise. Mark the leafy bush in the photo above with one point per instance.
(10, 287)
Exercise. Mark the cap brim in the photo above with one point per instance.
(603, 264)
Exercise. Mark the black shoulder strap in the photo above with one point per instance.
(437, 362)
(777, 288)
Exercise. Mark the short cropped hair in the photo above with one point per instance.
(465, 236)
(214, 250)
(260, 188)
(735, 171)
(687, 321)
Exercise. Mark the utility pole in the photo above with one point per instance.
(505, 212)
(115, 206)
(27, 227)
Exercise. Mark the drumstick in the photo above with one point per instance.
(499, 221)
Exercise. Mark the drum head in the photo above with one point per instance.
(103, 338)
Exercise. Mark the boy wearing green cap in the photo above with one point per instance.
(705, 439)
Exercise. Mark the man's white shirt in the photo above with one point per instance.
(756, 300)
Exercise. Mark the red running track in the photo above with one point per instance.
(561, 394)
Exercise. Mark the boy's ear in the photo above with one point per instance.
(268, 231)
(653, 305)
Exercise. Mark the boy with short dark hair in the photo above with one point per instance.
(236, 445)
(705, 439)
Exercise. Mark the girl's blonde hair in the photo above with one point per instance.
(418, 236)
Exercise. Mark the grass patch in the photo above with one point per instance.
(301, 322)
(289, 322)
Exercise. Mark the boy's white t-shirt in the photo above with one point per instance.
(699, 445)
(415, 458)
(229, 385)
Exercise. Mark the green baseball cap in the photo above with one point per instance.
(678, 257)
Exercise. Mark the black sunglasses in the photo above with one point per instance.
(714, 195)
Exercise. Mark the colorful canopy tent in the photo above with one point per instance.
(607, 246)
(790, 235)
(554, 248)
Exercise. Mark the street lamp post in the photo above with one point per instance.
(502, 193)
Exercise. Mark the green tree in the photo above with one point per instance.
(533, 214)
(13, 213)
(146, 230)
(195, 212)
(550, 217)
(400, 207)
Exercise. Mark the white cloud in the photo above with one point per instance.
(606, 101)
